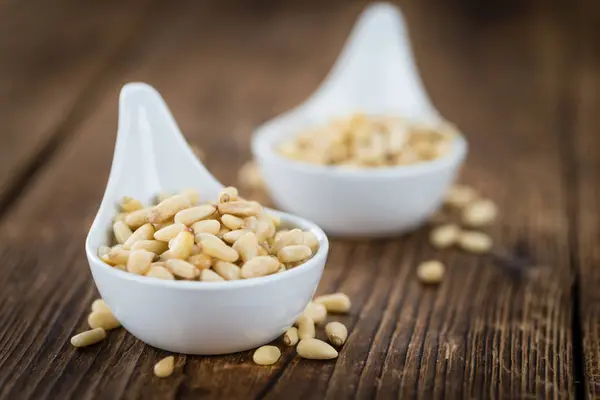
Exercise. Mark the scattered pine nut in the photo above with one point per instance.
(290, 337)
(444, 236)
(315, 349)
(479, 213)
(306, 327)
(266, 355)
(88, 338)
(99, 305)
(460, 195)
(164, 367)
(335, 302)
(474, 242)
(430, 272)
(103, 319)
(337, 333)
(316, 311)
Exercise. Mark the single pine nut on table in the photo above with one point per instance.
(223, 240)
(335, 302)
(337, 333)
(315, 349)
(266, 355)
(431, 272)
(316, 311)
(88, 338)
(165, 367)
(290, 337)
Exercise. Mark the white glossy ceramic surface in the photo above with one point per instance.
(151, 156)
(374, 74)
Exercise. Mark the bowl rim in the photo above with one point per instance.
(318, 259)
(264, 138)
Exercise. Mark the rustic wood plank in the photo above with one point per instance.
(54, 54)
(482, 333)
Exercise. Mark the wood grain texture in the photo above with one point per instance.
(223, 69)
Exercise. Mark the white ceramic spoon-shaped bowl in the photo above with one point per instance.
(188, 317)
(374, 74)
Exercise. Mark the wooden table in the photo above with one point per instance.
(522, 81)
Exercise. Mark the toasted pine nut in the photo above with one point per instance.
(208, 275)
(194, 214)
(164, 367)
(129, 204)
(315, 349)
(182, 269)
(233, 236)
(154, 246)
(294, 253)
(335, 302)
(311, 241)
(192, 195)
(240, 208)
(100, 305)
(121, 231)
(118, 255)
(337, 333)
(211, 226)
(260, 266)
(169, 207)
(88, 338)
(474, 242)
(169, 232)
(160, 272)
(293, 237)
(144, 232)
(444, 236)
(266, 355)
(139, 261)
(479, 213)
(460, 195)
(227, 270)
(247, 246)
(430, 272)
(138, 218)
(181, 246)
(215, 247)
(104, 254)
(290, 337)
(200, 261)
(232, 222)
(306, 327)
(228, 194)
(103, 319)
(316, 311)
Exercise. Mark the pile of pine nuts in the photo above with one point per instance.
(474, 213)
(228, 239)
(362, 141)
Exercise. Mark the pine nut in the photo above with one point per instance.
(247, 246)
(88, 338)
(129, 204)
(215, 247)
(260, 266)
(139, 262)
(200, 261)
(262, 251)
(444, 236)
(227, 270)
(335, 302)
(431, 272)
(144, 232)
(232, 222)
(138, 218)
(315, 349)
(120, 217)
(294, 253)
(192, 195)
(306, 327)
(160, 272)
(250, 176)
(223, 231)
(266, 355)
(121, 231)
(208, 275)
(168, 208)
(290, 337)
(104, 254)
(316, 311)
(181, 246)
(479, 213)
(190, 215)
(154, 246)
(233, 236)
(195, 250)
(264, 230)
(182, 269)
(164, 367)
(474, 242)
(311, 241)
(240, 208)
(169, 232)
(290, 238)
(118, 255)
(275, 219)
(460, 195)
(103, 319)
(228, 194)
(337, 333)
(100, 305)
